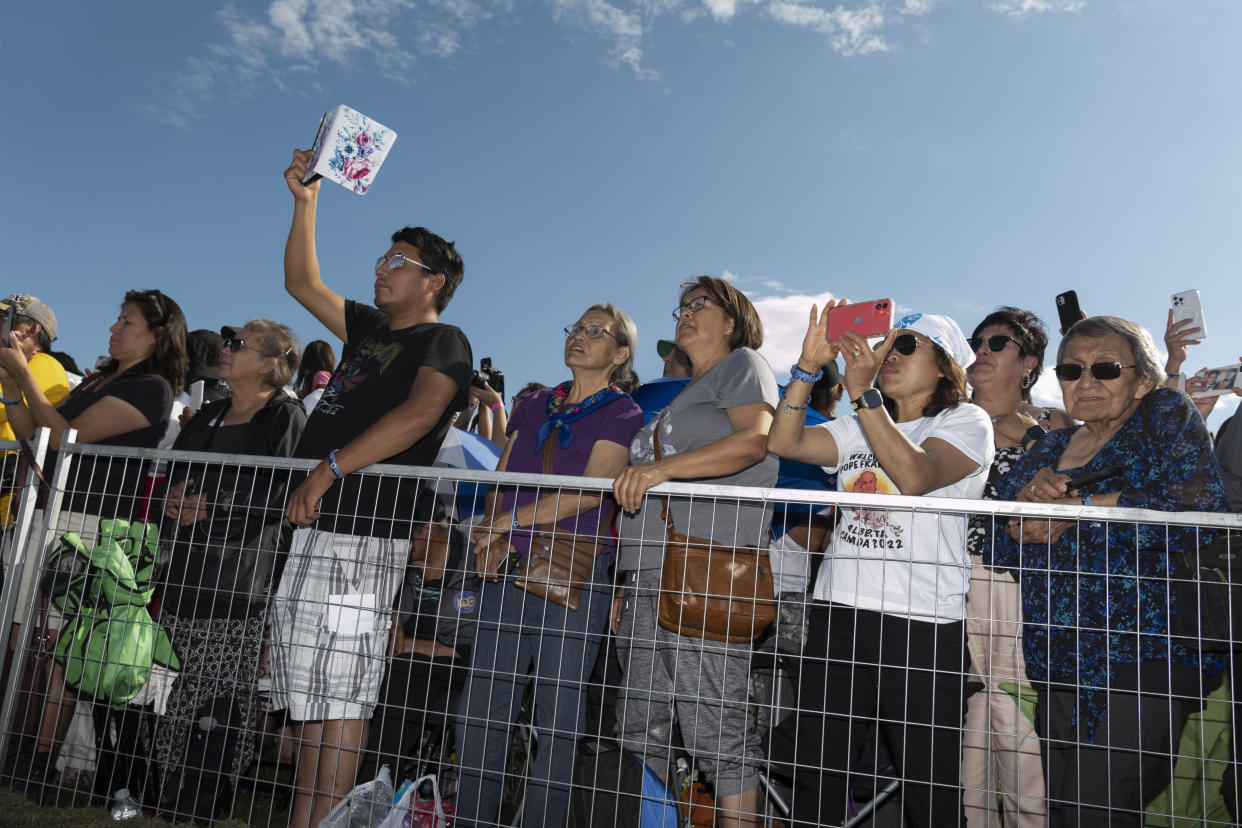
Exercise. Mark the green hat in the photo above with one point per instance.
(26, 305)
(664, 347)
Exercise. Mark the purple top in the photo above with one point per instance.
(617, 422)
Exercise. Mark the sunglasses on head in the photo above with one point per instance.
(159, 300)
(1071, 371)
(995, 343)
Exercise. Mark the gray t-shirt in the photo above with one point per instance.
(698, 416)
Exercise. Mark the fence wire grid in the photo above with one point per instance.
(166, 623)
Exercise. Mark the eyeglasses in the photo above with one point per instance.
(905, 344)
(1072, 371)
(589, 331)
(396, 261)
(996, 344)
(693, 306)
(161, 301)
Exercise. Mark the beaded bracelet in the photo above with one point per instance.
(798, 375)
(793, 408)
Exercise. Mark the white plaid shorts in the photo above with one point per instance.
(330, 619)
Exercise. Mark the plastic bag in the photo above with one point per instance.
(366, 806)
(413, 811)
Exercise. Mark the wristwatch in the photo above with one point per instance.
(871, 398)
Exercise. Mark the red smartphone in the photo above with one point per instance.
(863, 318)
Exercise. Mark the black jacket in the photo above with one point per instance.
(223, 562)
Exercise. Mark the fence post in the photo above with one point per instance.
(26, 530)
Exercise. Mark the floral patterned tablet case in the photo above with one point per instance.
(349, 149)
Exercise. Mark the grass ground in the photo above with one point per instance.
(260, 803)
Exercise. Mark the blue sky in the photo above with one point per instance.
(951, 154)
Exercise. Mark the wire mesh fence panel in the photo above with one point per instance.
(723, 656)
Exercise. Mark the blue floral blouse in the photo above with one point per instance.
(1099, 595)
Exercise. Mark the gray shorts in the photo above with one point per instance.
(703, 682)
(330, 619)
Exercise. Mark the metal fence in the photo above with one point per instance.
(154, 644)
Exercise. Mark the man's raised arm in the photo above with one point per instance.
(301, 263)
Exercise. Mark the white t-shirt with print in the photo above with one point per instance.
(897, 561)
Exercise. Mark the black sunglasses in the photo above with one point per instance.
(1072, 371)
(233, 344)
(996, 344)
(905, 344)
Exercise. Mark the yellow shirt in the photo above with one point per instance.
(49, 376)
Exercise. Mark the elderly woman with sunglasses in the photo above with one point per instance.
(1113, 691)
(713, 431)
(127, 403)
(1000, 746)
(885, 644)
(582, 428)
(221, 532)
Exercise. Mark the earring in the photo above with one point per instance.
(1027, 382)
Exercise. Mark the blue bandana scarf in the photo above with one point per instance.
(559, 419)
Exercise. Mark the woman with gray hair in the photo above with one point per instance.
(221, 530)
(1114, 689)
(581, 427)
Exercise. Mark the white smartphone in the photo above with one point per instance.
(1219, 380)
(196, 395)
(1186, 305)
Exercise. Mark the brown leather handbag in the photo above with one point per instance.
(711, 590)
(560, 562)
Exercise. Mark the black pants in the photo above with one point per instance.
(1108, 780)
(1231, 780)
(867, 670)
(418, 692)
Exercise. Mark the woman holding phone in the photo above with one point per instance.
(1113, 691)
(893, 591)
(127, 403)
(1000, 748)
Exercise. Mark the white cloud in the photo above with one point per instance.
(1047, 391)
(295, 37)
(849, 31)
(726, 9)
(1018, 9)
(624, 30)
(1226, 407)
(784, 326)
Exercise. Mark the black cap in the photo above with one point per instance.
(831, 378)
(204, 347)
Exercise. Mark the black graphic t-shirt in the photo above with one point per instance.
(377, 370)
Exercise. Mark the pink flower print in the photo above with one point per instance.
(366, 142)
(356, 168)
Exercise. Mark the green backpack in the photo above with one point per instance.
(109, 645)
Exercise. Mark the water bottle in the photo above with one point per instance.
(125, 807)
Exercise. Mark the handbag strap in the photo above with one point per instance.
(665, 512)
(549, 449)
(28, 456)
